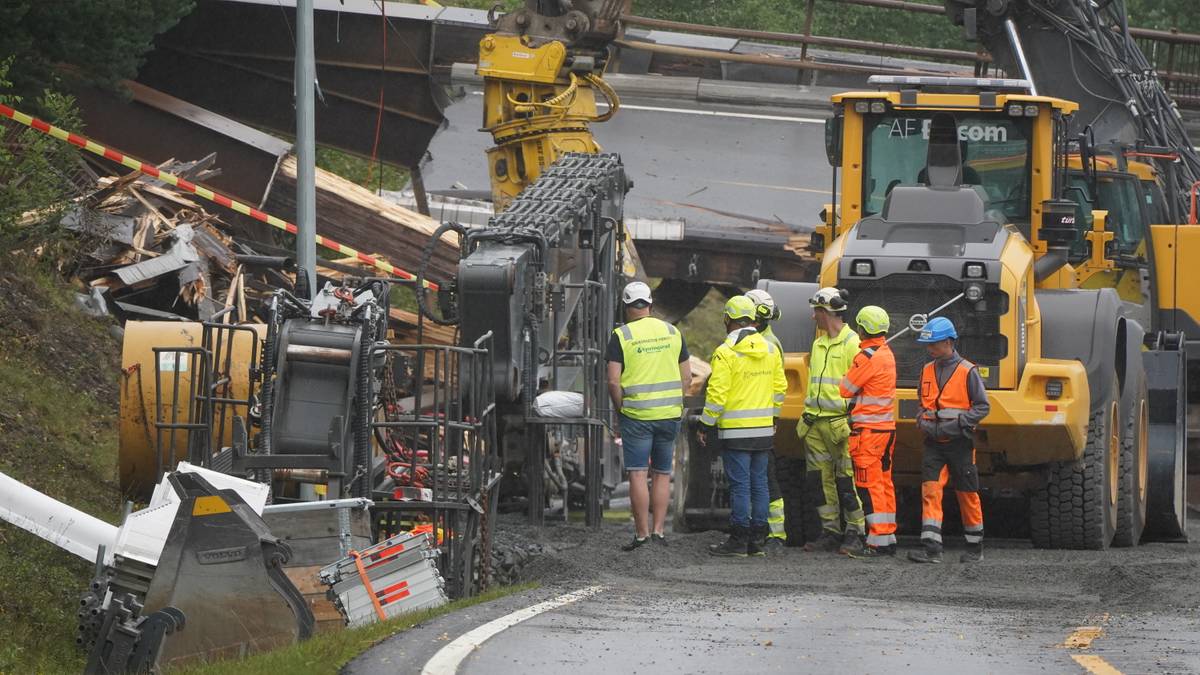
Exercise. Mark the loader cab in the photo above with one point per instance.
(942, 187)
(993, 154)
(1129, 193)
(879, 141)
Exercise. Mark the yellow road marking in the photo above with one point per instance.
(1095, 665)
(1082, 637)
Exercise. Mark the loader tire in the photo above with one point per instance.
(1134, 477)
(799, 505)
(1077, 508)
(692, 483)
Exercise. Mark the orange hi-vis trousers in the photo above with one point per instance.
(871, 451)
(941, 462)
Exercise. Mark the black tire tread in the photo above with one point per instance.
(1068, 513)
(799, 507)
(1129, 529)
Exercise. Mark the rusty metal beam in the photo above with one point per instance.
(717, 262)
(235, 57)
(674, 299)
(157, 127)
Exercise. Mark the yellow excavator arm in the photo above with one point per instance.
(542, 70)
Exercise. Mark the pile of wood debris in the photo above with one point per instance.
(163, 256)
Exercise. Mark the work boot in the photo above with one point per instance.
(734, 546)
(757, 546)
(928, 554)
(852, 544)
(829, 541)
(636, 543)
(973, 554)
(774, 546)
(876, 553)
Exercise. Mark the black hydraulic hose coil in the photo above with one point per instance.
(426, 256)
(361, 487)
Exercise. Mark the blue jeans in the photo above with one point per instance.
(648, 444)
(746, 471)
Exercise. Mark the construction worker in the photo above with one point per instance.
(648, 370)
(871, 387)
(745, 392)
(825, 427)
(953, 403)
(765, 312)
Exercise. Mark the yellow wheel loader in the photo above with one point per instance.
(973, 199)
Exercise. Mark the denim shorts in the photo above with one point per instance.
(648, 444)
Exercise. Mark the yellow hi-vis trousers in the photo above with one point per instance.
(832, 473)
(775, 521)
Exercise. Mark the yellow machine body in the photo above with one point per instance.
(150, 397)
(536, 108)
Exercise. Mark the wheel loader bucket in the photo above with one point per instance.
(222, 568)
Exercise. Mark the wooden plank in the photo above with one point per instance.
(306, 579)
(355, 216)
(326, 616)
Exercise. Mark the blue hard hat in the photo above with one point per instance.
(938, 329)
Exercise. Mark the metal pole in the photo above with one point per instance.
(306, 168)
(419, 193)
(1014, 41)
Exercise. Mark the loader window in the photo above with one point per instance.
(1119, 195)
(995, 151)
(1156, 203)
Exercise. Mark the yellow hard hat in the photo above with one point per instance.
(739, 307)
(874, 320)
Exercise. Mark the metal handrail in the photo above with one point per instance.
(817, 40)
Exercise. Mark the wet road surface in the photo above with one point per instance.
(676, 610)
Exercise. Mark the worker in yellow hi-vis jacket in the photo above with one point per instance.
(825, 428)
(744, 395)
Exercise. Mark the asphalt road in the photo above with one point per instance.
(676, 610)
(712, 166)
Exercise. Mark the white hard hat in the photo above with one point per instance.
(761, 297)
(764, 305)
(830, 298)
(636, 291)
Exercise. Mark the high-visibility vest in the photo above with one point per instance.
(952, 400)
(769, 336)
(829, 362)
(650, 384)
(746, 388)
(871, 387)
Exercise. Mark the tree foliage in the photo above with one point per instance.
(103, 39)
(35, 169)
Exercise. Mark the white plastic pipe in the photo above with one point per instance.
(61, 525)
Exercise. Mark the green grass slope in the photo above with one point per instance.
(58, 433)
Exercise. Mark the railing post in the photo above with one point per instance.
(808, 20)
(1170, 62)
